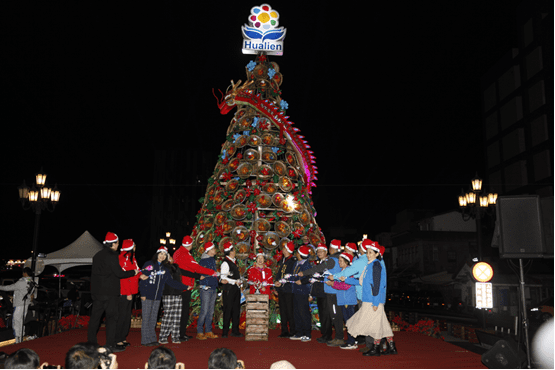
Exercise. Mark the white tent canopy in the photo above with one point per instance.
(78, 253)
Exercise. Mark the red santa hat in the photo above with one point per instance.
(110, 238)
(260, 252)
(127, 245)
(348, 257)
(374, 246)
(290, 246)
(322, 246)
(162, 249)
(382, 249)
(304, 251)
(228, 246)
(335, 244)
(351, 247)
(365, 244)
(187, 241)
(208, 246)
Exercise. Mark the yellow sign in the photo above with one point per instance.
(482, 272)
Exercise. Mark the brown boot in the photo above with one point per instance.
(201, 336)
(211, 335)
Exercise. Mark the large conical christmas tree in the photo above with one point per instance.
(259, 195)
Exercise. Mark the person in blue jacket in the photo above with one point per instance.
(159, 274)
(208, 293)
(301, 290)
(346, 296)
(370, 320)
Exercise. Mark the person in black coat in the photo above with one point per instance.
(285, 292)
(105, 291)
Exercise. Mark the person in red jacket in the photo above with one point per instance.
(260, 276)
(128, 288)
(185, 261)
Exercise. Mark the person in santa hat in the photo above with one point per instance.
(354, 270)
(346, 296)
(330, 265)
(370, 320)
(301, 291)
(129, 287)
(230, 278)
(105, 291)
(260, 276)
(158, 272)
(185, 261)
(208, 293)
(285, 292)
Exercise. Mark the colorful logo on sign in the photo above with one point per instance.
(263, 33)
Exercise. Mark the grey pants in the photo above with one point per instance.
(150, 316)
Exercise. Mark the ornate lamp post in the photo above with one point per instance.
(168, 240)
(474, 204)
(38, 198)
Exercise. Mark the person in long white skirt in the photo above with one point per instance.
(370, 320)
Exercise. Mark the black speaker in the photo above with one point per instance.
(504, 355)
(520, 227)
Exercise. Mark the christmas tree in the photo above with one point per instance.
(259, 195)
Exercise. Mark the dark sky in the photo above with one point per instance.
(387, 95)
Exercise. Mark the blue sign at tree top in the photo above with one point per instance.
(263, 33)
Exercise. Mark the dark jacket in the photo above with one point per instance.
(304, 288)
(208, 262)
(285, 266)
(107, 272)
(158, 276)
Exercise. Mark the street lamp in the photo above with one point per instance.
(38, 198)
(474, 204)
(168, 240)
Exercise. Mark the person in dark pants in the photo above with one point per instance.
(105, 291)
(183, 258)
(318, 292)
(301, 290)
(231, 291)
(285, 292)
(330, 265)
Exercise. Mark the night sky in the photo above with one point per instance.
(387, 95)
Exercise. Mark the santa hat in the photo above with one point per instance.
(304, 251)
(259, 253)
(290, 246)
(162, 249)
(374, 246)
(127, 245)
(347, 256)
(382, 249)
(228, 246)
(335, 244)
(110, 238)
(322, 247)
(351, 247)
(208, 246)
(187, 241)
(365, 244)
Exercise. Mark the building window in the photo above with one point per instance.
(538, 129)
(516, 175)
(513, 144)
(534, 62)
(528, 31)
(491, 125)
(536, 96)
(493, 154)
(511, 112)
(508, 82)
(542, 165)
(489, 97)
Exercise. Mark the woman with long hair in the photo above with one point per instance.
(159, 274)
(128, 288)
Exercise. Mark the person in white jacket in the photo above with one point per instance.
(23, 291)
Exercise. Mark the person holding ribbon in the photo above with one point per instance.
(260, 276)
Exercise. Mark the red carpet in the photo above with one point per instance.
(416, 351)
